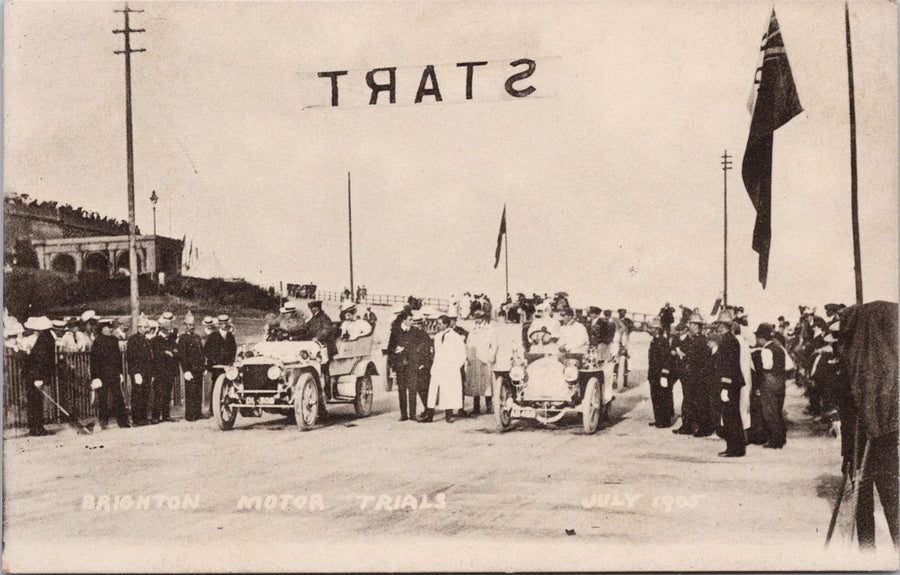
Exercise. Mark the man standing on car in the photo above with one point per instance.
(193, 363)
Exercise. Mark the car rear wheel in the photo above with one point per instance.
(501, 399)
(622, 372)
(364, 395)
(306, 402)
(590, 415)
(223, 414)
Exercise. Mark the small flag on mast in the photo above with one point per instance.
(500, 235)
(773, 102)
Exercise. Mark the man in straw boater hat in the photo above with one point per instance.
(107, 377)
(658, 375)
(193, 364)
(139, 358)
(697, 378)
(729, 378)
(38, 370)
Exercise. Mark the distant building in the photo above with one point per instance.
(71, 240)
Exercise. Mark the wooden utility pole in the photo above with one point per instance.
(854, 200)
(350, 228)
(726, 165)
(132, 249)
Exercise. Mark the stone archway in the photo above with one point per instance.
(64, 263)
(122, 263)
(96, 262)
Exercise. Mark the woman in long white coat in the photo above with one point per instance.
(481, 347)
(445, 391)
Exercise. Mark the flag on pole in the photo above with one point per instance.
(500, 235)
(773, 102)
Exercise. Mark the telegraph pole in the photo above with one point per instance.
(726, 165)
(350, 229)
(132, 249)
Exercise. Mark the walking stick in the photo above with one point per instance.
(860, 473)
(837, 507)
(84, 430)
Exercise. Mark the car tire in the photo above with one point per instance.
(364, 395)
(223, 415)
(306, 401)
(500, 394)
(591, 408)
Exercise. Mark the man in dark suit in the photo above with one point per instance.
(139, 356)
(697, 382)
(595, 325)
(772, 390)
(730, 379)
(38, 371)
(220, 349)
(193, 364)
(658, 375)
(411, 359)
(165, 369)
(107, 377)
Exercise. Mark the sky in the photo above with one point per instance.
(610, 170)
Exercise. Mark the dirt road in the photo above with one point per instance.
(381, 494)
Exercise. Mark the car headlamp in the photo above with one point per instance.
(231, 373)
(571, 373)
(304, 355)
(274, 372)
(517, 373)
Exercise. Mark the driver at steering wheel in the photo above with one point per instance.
(573, 336)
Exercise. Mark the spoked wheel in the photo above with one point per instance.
(501, 409)
(306, 402)
(223, 414)
(590, 415)
(622, 375)
(364, 395)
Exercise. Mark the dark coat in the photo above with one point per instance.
(321, 327)
(39, 363)
(696, 363)
(190, 353)
(165, 356)
(139, 356)
(106, 359)
(727, 365)
(214, 350)
(416, 350)
(658, 357)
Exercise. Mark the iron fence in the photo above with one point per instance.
(70, 386)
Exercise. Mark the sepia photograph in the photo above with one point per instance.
(423, 285)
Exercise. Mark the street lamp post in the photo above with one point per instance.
(153, 199)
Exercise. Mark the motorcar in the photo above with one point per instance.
(290, 377)
(546, 386)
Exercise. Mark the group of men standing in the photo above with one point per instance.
(156, 357)
(442, 371)
(728, 387)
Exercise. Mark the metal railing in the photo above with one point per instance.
(70, 386)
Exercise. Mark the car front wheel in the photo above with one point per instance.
(223, 414)
(590, 414)
(501, 398)
(364, 395)
(306, 402)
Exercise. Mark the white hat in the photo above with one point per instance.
(347, 305)
(88, 315)
(543, 306)
(12, 328)
(38, 323)
(208, 321)
(224, 319)
(152, 324)
(453, 312)
(59, 324)
(417, 315)
(289, 307)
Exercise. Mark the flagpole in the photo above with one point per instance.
(854, 201)
(506, 255)
(726, 165)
